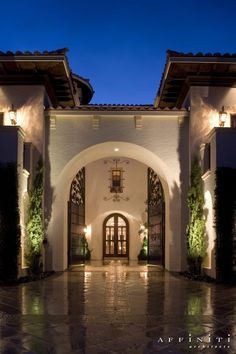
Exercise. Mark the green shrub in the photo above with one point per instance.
(143, 254)
(86, 250)
(34, 228)
(196, 234)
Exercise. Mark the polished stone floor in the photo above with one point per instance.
(117, 308)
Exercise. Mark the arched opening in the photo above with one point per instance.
(58, 228)
(116, 236)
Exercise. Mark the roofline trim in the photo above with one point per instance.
(203, 60)
(160, 112)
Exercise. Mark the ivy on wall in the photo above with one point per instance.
(34, 227)
(225, 222)
(9, 223)
(196, 234)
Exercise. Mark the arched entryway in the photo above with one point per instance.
(116, 236)
(58, 227)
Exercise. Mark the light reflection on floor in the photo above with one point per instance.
(117, 308)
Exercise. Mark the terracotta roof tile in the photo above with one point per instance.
(180, 66)
(173, 53)
(117, 107)
(61, 51)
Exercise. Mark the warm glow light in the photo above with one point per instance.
(87, 230)
(222, 117)
(116, 149)
(12, 115)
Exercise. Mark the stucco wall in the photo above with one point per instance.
(29, 103)
(161, 143)
(205, 103)
(160, 134)
(209, 195)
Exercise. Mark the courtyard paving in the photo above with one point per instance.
(117, 308)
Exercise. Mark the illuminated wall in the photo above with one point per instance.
(97, 208)
(205, 104)
(74, 141)
(28, 101)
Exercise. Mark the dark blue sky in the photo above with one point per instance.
(120, 45)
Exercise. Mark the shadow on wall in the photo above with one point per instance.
(48, 197)
(30, 112)
(183, 151)
(175, 244)
(202, 121)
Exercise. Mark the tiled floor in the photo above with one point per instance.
(117, 308)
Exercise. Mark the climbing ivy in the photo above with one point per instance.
(196, 234)
(34, 227)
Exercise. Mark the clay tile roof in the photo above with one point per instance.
(61, 51)
(173, 53)
(183, 70)
(48, 68)
(118, 108)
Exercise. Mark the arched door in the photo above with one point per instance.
(115, 236)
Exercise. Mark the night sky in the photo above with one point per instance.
(120, 45)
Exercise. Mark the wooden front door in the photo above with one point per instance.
(115, 236)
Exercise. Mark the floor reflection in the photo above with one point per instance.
(117, 308)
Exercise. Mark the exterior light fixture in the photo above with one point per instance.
(85, 229)
(116, 149)
(12, 115)
(222, 117)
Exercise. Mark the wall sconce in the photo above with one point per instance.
(12, 115)
(222, 117)
(85, 230)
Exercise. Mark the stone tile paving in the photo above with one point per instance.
(117, 308)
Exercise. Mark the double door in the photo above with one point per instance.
(116, 236)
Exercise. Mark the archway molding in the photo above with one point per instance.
(57, 230)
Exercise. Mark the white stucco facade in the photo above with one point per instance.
(156, 145)
(55, 119)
